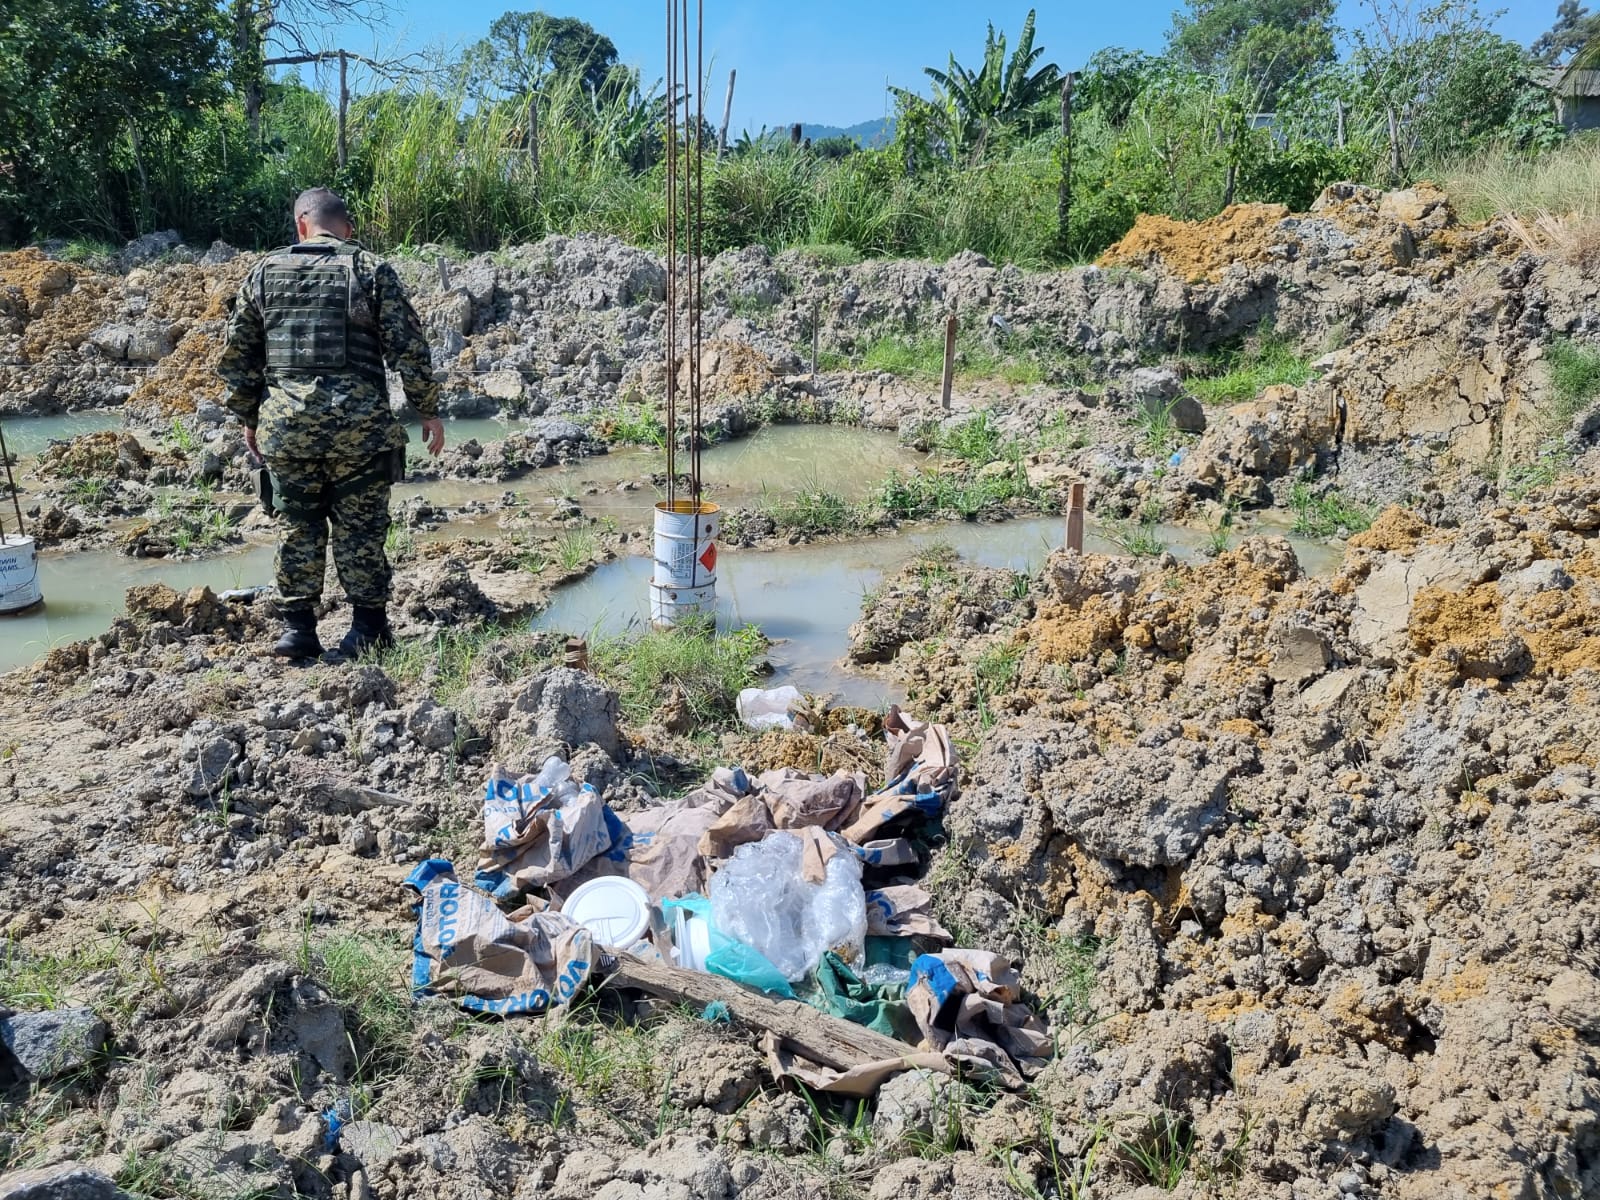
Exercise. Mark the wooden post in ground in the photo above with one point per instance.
(949, 362)
(727, 115)
(1075, 506)
(578, 653)
(533, 133)
(444, 273)
(344, 107)
(1064, 199)
(816, 334)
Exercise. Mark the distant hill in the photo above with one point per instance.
(871, 134)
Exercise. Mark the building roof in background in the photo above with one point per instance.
(1568, 82)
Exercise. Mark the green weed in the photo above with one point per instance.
(89, 493)
(1158, 432)
(183, 438)
(399, 544)
(632, 424)
(1140, 540)
(708, 668)
(1325, 515)
(1521, 479)
(813, 511)
(1238, 375)
(1575, 375)
(366, 974)
(445, 660)
(576, 549)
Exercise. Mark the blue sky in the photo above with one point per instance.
(827, 61)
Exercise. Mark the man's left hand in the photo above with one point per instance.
(433, 435)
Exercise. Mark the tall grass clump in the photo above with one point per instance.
(1575, 375)
(1562, 181)
(707, 668)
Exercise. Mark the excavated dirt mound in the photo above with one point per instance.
(1330, 846)
(1199, 250)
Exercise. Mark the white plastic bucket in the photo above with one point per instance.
(670, 605)
(684, 583)
(19, 574)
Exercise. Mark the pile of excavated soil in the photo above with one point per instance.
(185, 377)
(1200, 250)
(1331, 847)
(64, 303)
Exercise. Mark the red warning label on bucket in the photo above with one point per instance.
(708, 557)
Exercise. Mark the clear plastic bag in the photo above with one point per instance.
(760, 709)
(761, 898)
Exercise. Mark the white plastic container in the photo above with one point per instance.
(19, 575)
(684, 582)
(615, 909)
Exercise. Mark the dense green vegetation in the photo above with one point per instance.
(174, 113)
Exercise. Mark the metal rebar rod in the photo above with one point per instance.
(672, 253)
(699, 231)
(16, 506)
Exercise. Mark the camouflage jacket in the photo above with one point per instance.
(334, 415)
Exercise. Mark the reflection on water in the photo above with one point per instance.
(26, 436)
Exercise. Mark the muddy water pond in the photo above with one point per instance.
(26, 436)
(776, 459)
(82, 592)
(805, 598)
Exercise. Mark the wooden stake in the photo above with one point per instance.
(949, 361)
(816, 334)
(444, 273)
(344, 107)
(578, 653)
(1075, 518)
(1064, 200)
(812, 1034)
(727, 115)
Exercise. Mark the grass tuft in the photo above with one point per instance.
(1238, 375)
(1575, 375)
(1326, 515)
(708, 668)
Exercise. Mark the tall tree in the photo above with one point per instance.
(268, 33)
(1575, 25)
(84, 81)
(524, 47)
(1260, 45)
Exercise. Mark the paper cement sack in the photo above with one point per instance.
(466, 948)
(533, 839)
(921, 773)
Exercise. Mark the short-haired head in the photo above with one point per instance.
(321, 210)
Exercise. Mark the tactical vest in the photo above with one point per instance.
(317, 317)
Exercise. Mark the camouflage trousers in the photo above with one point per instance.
(339, 501)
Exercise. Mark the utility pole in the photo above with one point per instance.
(727, 115)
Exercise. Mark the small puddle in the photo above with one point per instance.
(82, 592)
(27, 436)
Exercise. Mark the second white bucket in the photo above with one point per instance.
(684, 582)
(19, 574)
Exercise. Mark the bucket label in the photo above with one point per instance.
(708, 558)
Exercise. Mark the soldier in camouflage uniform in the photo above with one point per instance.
(312, 327)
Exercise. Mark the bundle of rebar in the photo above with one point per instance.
(685, 234)
(16, 506)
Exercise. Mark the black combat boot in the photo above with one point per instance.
(300, 639)
(369, 630)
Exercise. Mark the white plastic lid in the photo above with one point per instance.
(616, 910)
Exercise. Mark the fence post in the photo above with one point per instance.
(1075, 518)
(344, 107)
(949, 361)
(727, 115)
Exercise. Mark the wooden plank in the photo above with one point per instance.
(812, 1034)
